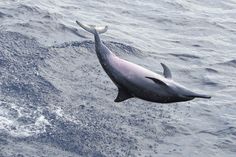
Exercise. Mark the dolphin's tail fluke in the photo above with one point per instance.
(92, 29)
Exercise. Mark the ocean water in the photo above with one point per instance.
(56, 100)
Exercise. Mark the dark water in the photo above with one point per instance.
(55, 99)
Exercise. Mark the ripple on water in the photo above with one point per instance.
(185, 56)
(230, 63)
(211, 70)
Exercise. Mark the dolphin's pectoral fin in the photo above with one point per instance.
(157, 81)
(122, 95)
(166, 72)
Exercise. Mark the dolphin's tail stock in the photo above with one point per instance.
(92, 28)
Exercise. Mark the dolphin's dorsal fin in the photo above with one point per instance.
(166, 71)
(122, 95)
(157, 81)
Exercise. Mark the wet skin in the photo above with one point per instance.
(133, 80)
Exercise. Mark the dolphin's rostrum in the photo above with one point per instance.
(133, 80)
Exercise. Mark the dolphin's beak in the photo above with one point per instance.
(190, 94)
(195, 95)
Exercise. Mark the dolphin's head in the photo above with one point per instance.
(171, 91)
(183, 94)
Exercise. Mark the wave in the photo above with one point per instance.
(30, 100)
(115, 47)
(25, 8)
(231, 63)
(185, 56)
(211, 70)
(23, 89)
(2, 15)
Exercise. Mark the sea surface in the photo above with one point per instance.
(56, 100)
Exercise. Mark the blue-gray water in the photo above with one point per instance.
(55, 99)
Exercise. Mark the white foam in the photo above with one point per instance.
(15, 127)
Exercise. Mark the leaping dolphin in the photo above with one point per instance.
(133, 80)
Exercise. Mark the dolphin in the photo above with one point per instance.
(133, 80)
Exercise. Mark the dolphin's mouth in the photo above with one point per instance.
(198, 96)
